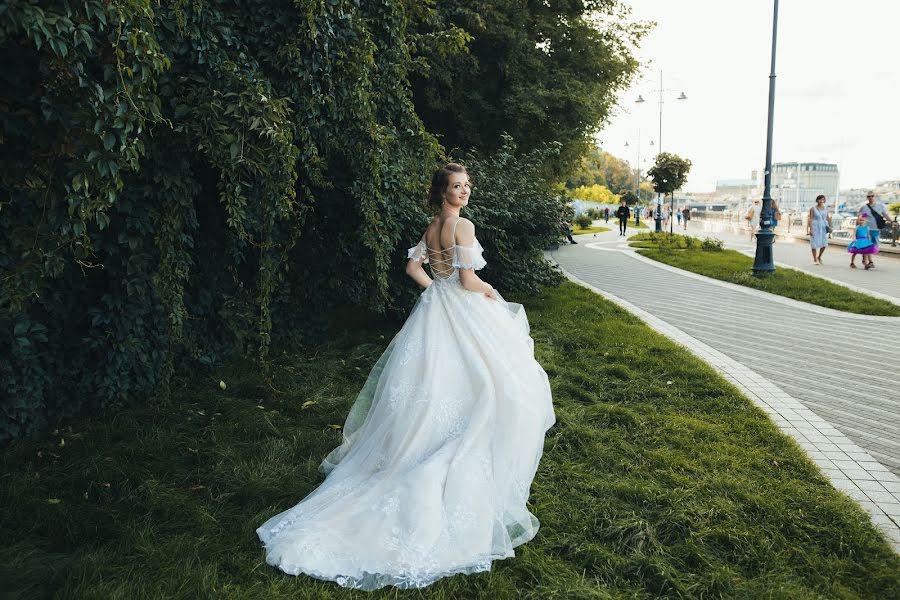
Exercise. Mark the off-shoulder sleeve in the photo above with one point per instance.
(469, 257)
(418, 252)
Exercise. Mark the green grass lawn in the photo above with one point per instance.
(578, 231)
(659, 480)
(734, 267)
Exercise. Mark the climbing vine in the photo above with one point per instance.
(184, 180)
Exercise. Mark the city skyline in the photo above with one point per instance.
(836, 88)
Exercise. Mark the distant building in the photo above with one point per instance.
(737, 189)
(852, 199)
(888, 191)
(796, 184)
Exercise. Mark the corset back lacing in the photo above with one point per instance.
(441, 261)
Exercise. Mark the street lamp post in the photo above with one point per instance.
(640, 99)
(637, 169)
(763, 262)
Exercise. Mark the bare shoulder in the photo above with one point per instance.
(465, 226)
(465, 232)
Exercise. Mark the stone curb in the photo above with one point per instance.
(849, 468)
(750, 291)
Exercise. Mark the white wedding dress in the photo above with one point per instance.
(439, 451)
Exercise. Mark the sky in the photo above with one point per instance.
(837, 90)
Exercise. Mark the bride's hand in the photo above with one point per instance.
(491, 294)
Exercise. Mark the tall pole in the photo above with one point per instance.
(637, 179)
(656, 214)
(763, 262)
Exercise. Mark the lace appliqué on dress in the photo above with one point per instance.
(469, 257)
(418, 252)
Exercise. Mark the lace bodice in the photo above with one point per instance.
(444, 263)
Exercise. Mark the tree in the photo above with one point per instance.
(630, 198)
(600, 167)
(594, 193)
(645, 191)
(894, 208)
(542, 72)
(669, 172)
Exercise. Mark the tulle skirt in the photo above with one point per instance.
(439, 452)
(862, 246)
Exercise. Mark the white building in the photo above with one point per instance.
(796, 184)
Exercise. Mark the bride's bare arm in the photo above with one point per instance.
(465, 236)
(417, 273)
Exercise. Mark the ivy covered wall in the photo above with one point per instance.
(184, 180)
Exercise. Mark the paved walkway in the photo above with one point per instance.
(883, 281)
(793, 359)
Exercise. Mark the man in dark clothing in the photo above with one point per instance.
(623, 214)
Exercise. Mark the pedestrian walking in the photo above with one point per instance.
(678, 217)
(776, 213)
(686, 216)
(606, 214)
(752, 218)
(623, 214)
(817, 227)
(875, 213)
(862, 243)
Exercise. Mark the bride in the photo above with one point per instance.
(442, 443)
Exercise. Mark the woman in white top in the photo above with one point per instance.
(752, 218)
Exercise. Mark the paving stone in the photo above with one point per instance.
(881, 497)
(869, 485)
(891, 486)
(853, 428)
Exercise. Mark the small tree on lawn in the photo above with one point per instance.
(583, 221)
(669, 172)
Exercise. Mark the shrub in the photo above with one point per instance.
(517, 213)
(712, 245)
(583, 221)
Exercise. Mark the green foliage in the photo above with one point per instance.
(181, 182)
(669, 172)
(630, 198)
(516, 214)
(602, 168)
(539, 71)
(594, 193)
(712, 245)
(583, 221)
(894, 208)
(177, 178)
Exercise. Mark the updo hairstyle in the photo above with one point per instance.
(439, 182)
